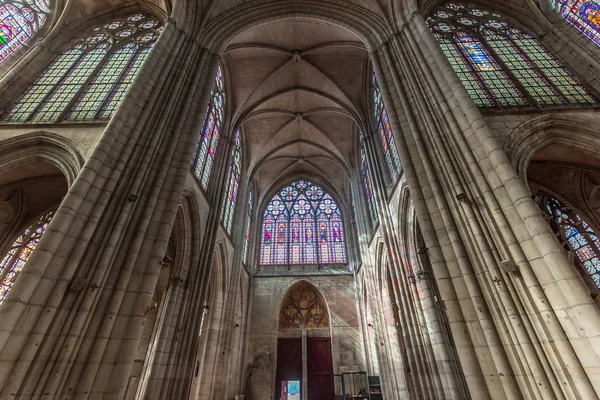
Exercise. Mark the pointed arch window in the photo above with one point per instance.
(18, 253)
(384, 130)
(87, 81)
(234, 183)
(302, 224)
(247, 227)
(20, 20)
(582, 14)
(211, 131)
(367, 183)
(576, 233)
(500, 65)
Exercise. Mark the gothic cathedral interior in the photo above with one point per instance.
(299, 199)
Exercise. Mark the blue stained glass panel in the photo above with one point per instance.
(500, 65)
(579, 235)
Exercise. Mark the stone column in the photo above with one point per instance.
(512, 317)
(111, 230)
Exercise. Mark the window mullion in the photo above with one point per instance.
(505, 68)
(11, 264)
(540, 71)
(51, 91)
(118, 81)
(85, 85)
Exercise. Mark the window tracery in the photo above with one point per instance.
(582, 14)
(575, 233)
(302, 224)
(500, 65)
(20, 20)
(247, 227)
(386, 136)
(88, 81)
(18, 253)
(234, 183)
(367, 183)
(211, 131)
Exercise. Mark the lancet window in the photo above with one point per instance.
(211, 131)
(234, 183)
(582, 14)
(367, 183)
(88, 80)
(384, 130)
(500, 65)
(247, 227)
(577, 235)
(20, 20)
(18, 253)
(302, 224)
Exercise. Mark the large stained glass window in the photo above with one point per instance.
(500, 65)
(235, 170)
(247, 227)
(18, 253)
(582, 14)
(576, 233)
(367, 183)
(302, 224)
(386, 136)
(87, 81)
(20, 20)
(207, 145)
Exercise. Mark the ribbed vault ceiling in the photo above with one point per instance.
(297, 88)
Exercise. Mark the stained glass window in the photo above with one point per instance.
(367, 183)
(207, 145)
(88, 80)
(302, 224)
(386, 136)
(500, 65)
(20, 20)
(247, 227)
(234, 183)
(583, 15)
(577, 234)
(18, 253)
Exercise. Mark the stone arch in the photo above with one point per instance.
(553, 154)
(370, 27)
(41, 146)
(36, 170)
(303, 307)
(209, 351)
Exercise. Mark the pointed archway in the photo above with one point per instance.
(304, 356)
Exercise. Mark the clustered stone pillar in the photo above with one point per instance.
(529, 334)
(111, 230)
(407, 367)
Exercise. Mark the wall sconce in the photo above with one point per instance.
(166, 260)
(461, 197)
(370, 325)
(422, 250)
